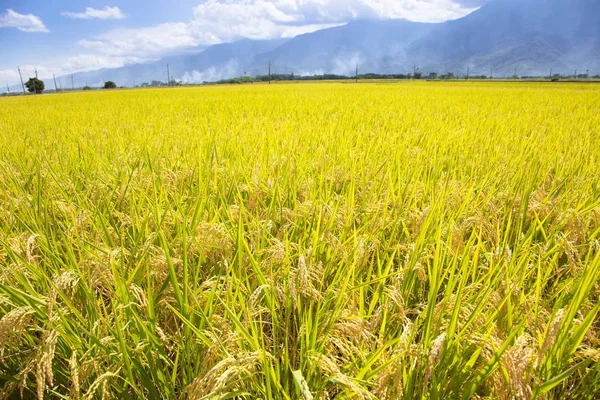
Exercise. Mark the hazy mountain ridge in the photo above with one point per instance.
(554, 32)
(531, 36)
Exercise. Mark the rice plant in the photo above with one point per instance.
(305, 241)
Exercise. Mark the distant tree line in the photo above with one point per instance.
(368, 76)
(37, 86)
(373, 76)
(173, 82)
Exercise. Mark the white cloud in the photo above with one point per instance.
(28, 71)
(8, 76)
(89, 62)
(219, 21)
(328, 11)
(23, 22)
(148, 42)
(91, 13)
(473, 3)
(78, 63)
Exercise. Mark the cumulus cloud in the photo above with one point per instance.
(88, 62)
(23, 22)
(219, 21)
(92, 13)
(328, 11)
(473, 3)
(79, 63)
(148, 42)
(8, 76)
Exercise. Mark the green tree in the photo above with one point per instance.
(35, 85)
(110, 85)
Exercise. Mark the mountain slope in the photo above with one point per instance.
(378, 46)
(217, 62)
(532, 36)
(554, 31)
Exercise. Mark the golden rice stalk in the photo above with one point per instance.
(43, 371)
(75, 391)
(13, 324)
(7, 390)
(434, 357)
(516, 360)
(551, 336)
(328, 367)
(100, 383)
(225, 373)
(30, 248)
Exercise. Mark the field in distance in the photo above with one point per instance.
(314, 241)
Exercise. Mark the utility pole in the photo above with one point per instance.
(55, 88)
(491, 73)
(35, 83)
(168, 77)
(515, 76)
(21, 76)
(575, 74)
(550, 76)
(7, 88)
(72, 83)
(356, 76)
(269, 72)
(468, 72)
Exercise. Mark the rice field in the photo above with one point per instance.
(302, 241)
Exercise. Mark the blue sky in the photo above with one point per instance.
(60, 36)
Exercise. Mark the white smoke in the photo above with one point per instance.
(310, 72)
(227, 71)
(346, 65)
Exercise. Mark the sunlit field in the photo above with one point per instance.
(302, 241)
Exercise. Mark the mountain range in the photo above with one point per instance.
(530, 37)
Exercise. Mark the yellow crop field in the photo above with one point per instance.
(302, 241)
